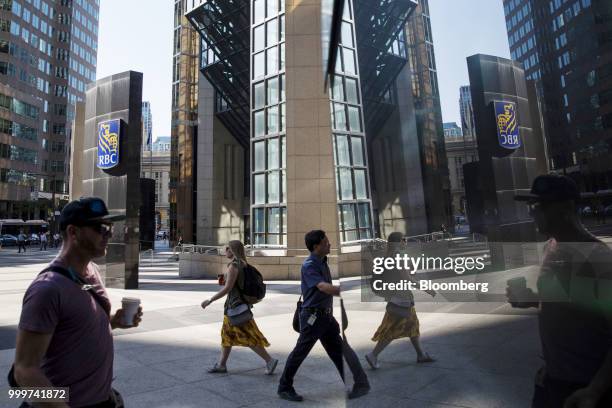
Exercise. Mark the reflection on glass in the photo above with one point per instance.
(348, 56)
(259, 65)
(260, 95)
(365, 233)
(351, 236)
(338, 89)
(283, 152)
(259, 10)
(282, 25)
(282, 87)
(260, 188)
(273, 153)
(347, 36)
(272, 29)
(357, 150)
(274, 220)
(272, 7)
(282, 118)
(339, 116)
(346, 12)
(364, 215)
(283, 187)
(272, 60)
(273, 239)
(342, 151)
(259, 224)
(260, 156)
(284, 217)
(360, 185)
(273, 187)
(354, 119)
(260, 239)
(351, 90)
(272, 120)
(282, 56)
(259, 38)
(346, 184)
(348, 216)
(260, 123)
(273, 91)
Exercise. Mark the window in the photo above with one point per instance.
(272, 60)
(259, 38)
(271, 32)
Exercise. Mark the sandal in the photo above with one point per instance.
(217, 369)
(425, 359)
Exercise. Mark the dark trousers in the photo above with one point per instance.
(327, 330)
(21, 244)
(552, 393)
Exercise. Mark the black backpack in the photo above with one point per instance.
(253, 288)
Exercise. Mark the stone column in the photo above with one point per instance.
(311, 187)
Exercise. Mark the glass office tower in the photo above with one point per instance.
(48, 53)
(303, 140)
(567, 47)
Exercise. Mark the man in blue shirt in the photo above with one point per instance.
(318, 323)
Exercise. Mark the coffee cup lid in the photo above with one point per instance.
(130, 299)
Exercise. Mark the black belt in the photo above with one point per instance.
(319, 310)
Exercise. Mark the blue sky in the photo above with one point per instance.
(462, 28)
(137, 35)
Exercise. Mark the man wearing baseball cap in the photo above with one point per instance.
(574, 297)
(64, 337)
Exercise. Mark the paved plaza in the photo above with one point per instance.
(487, 352)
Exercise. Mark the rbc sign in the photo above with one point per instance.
(108, 144)
(507, 125)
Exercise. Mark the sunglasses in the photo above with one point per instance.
(102, 229)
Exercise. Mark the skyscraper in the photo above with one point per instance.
(47, 55)
(183, 130)
(566, 46)
(430, 130)
(147, 126)
(282, 151)
(467, 112)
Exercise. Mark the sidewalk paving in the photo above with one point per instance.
(487, 353)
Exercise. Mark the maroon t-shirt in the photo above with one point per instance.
(80, 355)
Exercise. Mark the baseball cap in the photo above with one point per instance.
(551, 187)
(86, 210)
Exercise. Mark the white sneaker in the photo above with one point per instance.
(372, 361)
(271, 366)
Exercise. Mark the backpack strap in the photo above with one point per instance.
(69, 274)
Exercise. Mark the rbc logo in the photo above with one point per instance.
(108, 144)
(507, 125)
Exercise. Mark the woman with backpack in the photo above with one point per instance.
(239, 327)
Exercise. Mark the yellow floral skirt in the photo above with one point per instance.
(247, 335)
(395, 327)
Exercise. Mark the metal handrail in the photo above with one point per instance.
(432, 236)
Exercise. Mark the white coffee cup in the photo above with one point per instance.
(130, 308)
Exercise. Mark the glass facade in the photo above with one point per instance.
(268, 127)
(48, 50)
(185, 64)
(350, 157)
(428, 111)
(564, 46)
